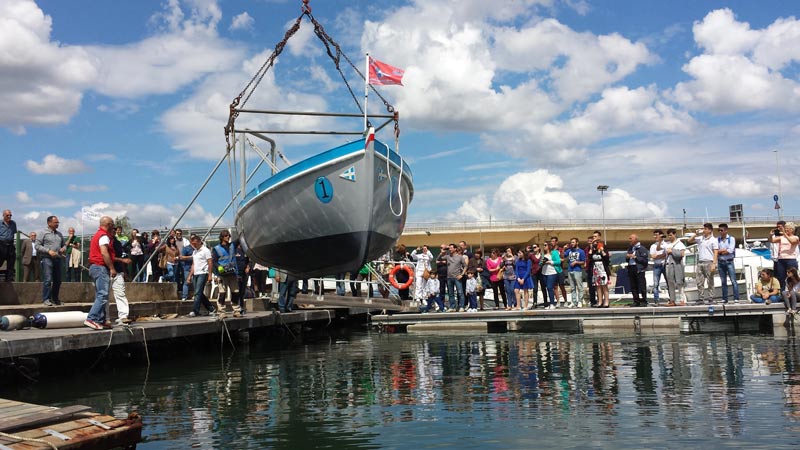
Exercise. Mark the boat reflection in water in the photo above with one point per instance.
(329, 213)
(485, 391)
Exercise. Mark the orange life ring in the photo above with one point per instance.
(394, 281)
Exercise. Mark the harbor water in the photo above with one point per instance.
(366, 390)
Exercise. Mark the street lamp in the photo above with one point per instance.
(602, 188)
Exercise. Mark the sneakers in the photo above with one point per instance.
(237, 314)
(569, 305)
(768, 301)
(183, 299)
(191, 314)
(551, 307)
(92, 324)
(122, 321)
(580, 304)
(48, 303)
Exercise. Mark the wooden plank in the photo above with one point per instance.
(19, 411)
(54, 415)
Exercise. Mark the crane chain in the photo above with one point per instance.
(328, 41)
(259, 75)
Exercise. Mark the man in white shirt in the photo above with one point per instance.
(675, 251)
(659, 256)
(727, 269)
(707, 254)
(201, 261)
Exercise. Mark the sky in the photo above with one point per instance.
(510, 109)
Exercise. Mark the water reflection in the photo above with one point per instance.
(392, 391)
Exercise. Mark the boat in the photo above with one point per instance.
(330, 213)
(334, 211)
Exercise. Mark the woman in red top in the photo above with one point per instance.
(494, 265)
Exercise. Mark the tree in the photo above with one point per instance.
(125, 223)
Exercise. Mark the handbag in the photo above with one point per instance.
(162, 260)
(426, 275)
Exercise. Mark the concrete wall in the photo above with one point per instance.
(31, 293)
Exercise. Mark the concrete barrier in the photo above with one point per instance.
(31, 293)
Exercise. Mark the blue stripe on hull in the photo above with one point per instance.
(325, 157)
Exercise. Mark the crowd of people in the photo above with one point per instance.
(516, 277)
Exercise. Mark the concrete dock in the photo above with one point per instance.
(744, 317)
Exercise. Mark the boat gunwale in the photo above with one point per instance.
(282, 177)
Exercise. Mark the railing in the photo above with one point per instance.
(674, 222)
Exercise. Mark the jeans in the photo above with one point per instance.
(576, 283)
(287, 291)
(727, 270)
(185, 284)
(51, 279)
(170, 275)
(199, 282)
(102, 282)
(340, 284)
(550, 284)
(510, 295)
(473, 300)
(781, 267)
(659, 270)
(755, 298)
(455, 283)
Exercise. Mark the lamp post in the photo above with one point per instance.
(603, 188)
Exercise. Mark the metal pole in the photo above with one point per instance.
(197, 194)
(366, 88)
(224, 211)
(780, 193)
(603, 208)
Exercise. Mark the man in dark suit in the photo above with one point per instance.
(30, 260)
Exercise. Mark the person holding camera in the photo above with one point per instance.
(223, 258)
(787, 252)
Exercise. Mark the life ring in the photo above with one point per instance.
(394, 281)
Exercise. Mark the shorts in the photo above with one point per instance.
(562, 278)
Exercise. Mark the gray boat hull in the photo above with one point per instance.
(330, 213)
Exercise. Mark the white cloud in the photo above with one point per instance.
(195, 125)
(242, 21)
(152, 215)
(87, 188)
(101, 157)
(43, 81)
(736, 188)
(542, 195)
(56, 165)
(741, 67)
(23, 197)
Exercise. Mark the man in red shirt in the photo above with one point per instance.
(101, 269)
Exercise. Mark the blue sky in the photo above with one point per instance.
(512, 109)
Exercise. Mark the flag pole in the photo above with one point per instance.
(366, 88)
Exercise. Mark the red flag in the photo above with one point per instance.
(382, 73)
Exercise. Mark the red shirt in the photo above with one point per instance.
(95, 255)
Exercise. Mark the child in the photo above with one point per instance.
(472, 288)
(432, 294)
